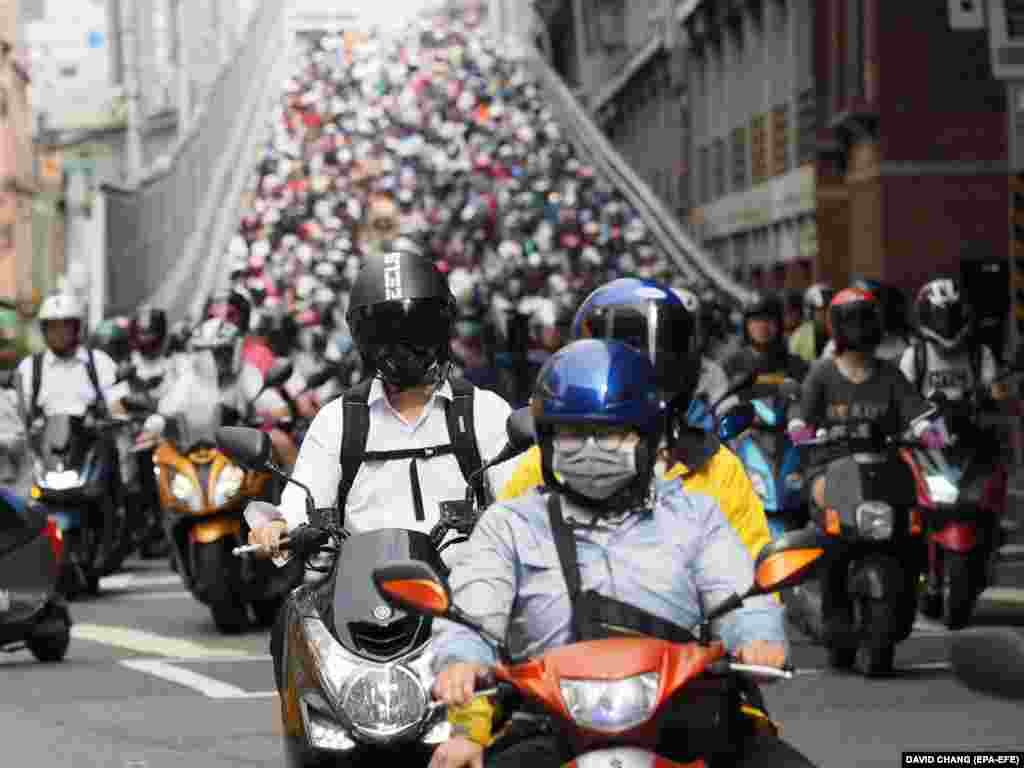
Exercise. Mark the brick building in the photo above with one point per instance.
(912, 151)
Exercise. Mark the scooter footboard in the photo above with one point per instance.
(627, 757)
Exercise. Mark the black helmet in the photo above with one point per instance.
(764, 305)
(232, 306)
(113, 336)
(402, 317)
(149, 330)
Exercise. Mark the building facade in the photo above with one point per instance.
(912, 152)
(17, 184)
(753, 118)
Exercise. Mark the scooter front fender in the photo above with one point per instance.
(627, 757)
(957, 536)
(212, 530)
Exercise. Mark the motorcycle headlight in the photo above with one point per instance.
(228, 485)
(61, 481)
(382, 702)
(941, 490)
(334, 663)
(874, 520)
(611, 706)
(185, 490)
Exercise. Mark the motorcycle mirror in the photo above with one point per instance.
(990, 661)
(738, 385)
(249, 447)
(737, 421)
(787, 561)
(520, 429)
(790, 390)
(414, 586)
(278, 374)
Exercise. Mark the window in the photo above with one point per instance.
(807, 125)
(718, 187)
(739, 158)
(854, 90)
(758, 150)
(780, 140)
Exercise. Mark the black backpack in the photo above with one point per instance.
(461, 431)
(920, 347)
(37, 380)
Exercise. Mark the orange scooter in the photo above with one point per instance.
(203, 494)
(633, 702)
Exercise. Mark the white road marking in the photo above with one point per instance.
(210, 687)
(145, 596)
(930, 628)
(139, 581)
(149, 643)
(261, 657)
(1012, 595)
(932, 665)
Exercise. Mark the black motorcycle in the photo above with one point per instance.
(74, 468)
(868, 586)
(33, 615)
(354, 672)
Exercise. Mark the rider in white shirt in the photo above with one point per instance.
(66, 385)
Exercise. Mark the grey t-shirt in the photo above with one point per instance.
(886, 397)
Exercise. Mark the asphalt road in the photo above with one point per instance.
(149, 683)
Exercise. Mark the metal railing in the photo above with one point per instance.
(662, 223)
(165, 239)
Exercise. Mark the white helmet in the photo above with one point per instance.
(61, 306)
(224, 340)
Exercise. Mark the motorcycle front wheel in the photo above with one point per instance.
(958, 591)
(215, 570)
(872, 659)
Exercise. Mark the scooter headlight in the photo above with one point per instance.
(228, 485)
(335, 664)
(60, 481)
(185, 490)
(611, 706)
(874, 520)
(941, 490)
(383, 702)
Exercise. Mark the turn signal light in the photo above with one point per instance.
(831, 522)
(916, 522)
(36, 493)
(56, 537)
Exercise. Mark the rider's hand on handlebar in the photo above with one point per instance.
(458, 752)
(801, 434)
(456, 684)
(269, 538)
(763, 653)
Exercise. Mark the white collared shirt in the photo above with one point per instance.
(66, 388)
(381, 496)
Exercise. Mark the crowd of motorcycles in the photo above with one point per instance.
(435, 141)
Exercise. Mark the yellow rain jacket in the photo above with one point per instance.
(720, 475)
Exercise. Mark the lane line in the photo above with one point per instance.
(208, 686)
(137, 581)
(142, 596)
(191, 660)
(149, 643)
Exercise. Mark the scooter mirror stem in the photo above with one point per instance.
(280, 473)
(456, 614)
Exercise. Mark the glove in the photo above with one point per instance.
(801, 435)
(934, 439)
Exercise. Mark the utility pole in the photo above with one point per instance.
(184, 78)
(132, 93)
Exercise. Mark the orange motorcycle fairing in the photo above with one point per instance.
(213, 530)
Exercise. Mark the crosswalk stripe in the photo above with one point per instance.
(180, 594)
(139, 581)
(149, 643)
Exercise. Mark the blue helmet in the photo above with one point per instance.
(661, 322)
(600, 383)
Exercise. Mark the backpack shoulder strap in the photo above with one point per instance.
(37, 380)
(94, 378)
(920, 348)
(462, 432)
(355, 431)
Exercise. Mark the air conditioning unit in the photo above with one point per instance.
(1006, 38)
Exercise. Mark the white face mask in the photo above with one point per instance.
(595, 472)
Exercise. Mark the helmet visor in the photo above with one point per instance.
(416, 322)
(859, 324)
(664, 333)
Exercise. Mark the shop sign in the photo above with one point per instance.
(779, 199)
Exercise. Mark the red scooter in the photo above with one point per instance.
(962, 491)
(632, 702)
